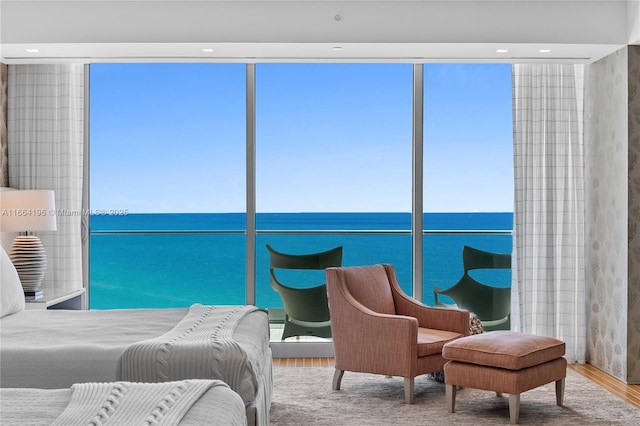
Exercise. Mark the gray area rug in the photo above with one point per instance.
(303, 396)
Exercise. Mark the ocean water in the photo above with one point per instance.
(175, 260)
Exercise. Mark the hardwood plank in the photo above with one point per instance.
(628, 393)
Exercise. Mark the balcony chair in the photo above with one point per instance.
(306, 312)
(379, 329)
(491, 304)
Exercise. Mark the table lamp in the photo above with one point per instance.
(27, 211)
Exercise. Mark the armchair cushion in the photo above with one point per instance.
(370, 287)
(431, 341)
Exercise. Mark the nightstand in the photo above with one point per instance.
(59, 300)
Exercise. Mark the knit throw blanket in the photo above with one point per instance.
(200, 346)
(124, 403)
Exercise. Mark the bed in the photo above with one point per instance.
(53, 349)
(186, 402)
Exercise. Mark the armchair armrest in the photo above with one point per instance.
(450, 319)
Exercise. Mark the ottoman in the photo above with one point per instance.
(504, 362)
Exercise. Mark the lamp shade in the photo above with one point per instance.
(27, 210)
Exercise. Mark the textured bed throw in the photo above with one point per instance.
(124, 403)
(200, 346)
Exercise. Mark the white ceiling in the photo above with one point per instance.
(575, 31)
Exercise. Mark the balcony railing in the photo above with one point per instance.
(188, 266)
(170, 268)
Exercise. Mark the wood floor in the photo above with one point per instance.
(628, 393)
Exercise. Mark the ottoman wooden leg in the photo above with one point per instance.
(450, 392)
(559, 391)
(514, 407)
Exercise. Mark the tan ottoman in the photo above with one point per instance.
(504, 362)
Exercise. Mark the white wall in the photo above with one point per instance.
(633, 25)
(6, 238)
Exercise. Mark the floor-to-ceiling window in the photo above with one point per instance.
(167, 184)
(334, 154)
(468, 170)
(333, 168)
(333, 164)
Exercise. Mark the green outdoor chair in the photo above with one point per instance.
(491, 304)
(306, 310)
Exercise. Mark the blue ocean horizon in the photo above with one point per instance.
(177, 259)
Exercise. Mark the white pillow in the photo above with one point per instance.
(11, 293)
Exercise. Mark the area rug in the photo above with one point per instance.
(303, 396)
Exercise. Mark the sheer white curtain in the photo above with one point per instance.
(548, 291)
(45, 135)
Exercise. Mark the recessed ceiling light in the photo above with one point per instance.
(502, 50)
(544, 50)
(33, 50)
(206, 49)
(336, 48)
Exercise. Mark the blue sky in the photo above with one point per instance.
(330, 137)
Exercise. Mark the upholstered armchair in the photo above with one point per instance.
(379, 329)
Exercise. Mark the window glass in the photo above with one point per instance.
(167, 175)
(468, 169)
(333, 166)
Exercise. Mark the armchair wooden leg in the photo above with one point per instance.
(408, 390)
(514, 408)
(450, 391)
(560, 392)
(337, 379)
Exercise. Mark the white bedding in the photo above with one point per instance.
(52, 349)
(219, 405)
(201, 345)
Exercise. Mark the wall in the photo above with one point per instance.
(606, 165)
(633, 315)
(612, 173)
(5, 237)
(633, 23)
(4, 171)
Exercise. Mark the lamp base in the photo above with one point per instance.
(28, 256)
